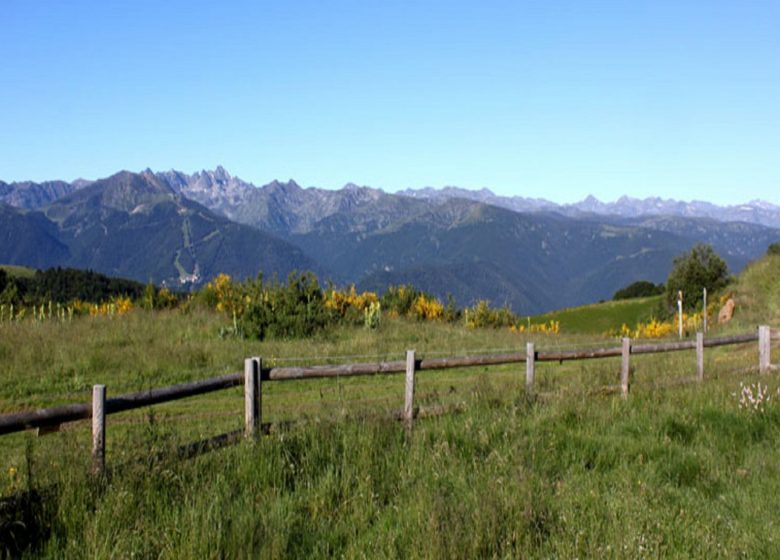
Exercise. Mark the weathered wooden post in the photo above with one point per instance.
(625, 368)
(764, 345)
(409, 392)
(98, 430)
(530, 368)
(704, 312)
(700, 356)
(252, 392)
(259, 365)
(680, 311)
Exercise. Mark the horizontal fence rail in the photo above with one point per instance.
(49, 419)
(54, 416)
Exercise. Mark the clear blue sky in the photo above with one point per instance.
(545, 99)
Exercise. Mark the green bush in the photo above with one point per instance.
(293, 310)
(399, 299)
(482, 315)
(773, 249)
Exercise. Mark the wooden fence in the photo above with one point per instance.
(254, 374)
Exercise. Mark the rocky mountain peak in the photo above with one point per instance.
(220, 174)
(277, 186)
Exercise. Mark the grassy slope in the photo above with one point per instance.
(757, 293)
(677, 471)
(599, 318)
(20, 271)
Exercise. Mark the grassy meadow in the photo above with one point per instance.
(678, 469)
(600, 318)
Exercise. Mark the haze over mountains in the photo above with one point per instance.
(534, 255)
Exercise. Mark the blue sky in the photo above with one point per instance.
(543, 99)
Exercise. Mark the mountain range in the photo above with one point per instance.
(182, 229)
(755, 211)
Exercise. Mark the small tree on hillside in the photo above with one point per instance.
(773, 249)
(693, 271)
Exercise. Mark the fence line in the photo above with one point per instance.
(253, 376)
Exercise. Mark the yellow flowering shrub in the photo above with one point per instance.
(224, 293)
(551, 327)
(427, 308)
(482, 315)
(342, 302)
(118, 306)
(652, 329)
(123, 305)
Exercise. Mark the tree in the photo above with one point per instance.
(693, 271)
(773, 249)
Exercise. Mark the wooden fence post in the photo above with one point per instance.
(704, 311)
(530, 368)
(259, 365)
(700, 356)
(251, 397)
(409, 393)
(764, 344)
(680, 313)
(98, 430)
(625, 368)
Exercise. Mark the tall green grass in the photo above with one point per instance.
(682, 473)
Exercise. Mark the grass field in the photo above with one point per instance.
(599, 318)
(678, 469)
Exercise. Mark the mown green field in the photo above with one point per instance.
(679, 469)
(600, 318)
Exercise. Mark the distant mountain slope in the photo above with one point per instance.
(467, 282)
(29, 239)
(31, 195)
(532, 262)
(738, 242)
(133, 225)
(755, 211)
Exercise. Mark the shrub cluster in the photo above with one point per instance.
(301, 307)
(482, 315)
(297, 308)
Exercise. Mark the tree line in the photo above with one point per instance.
(64, 285)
